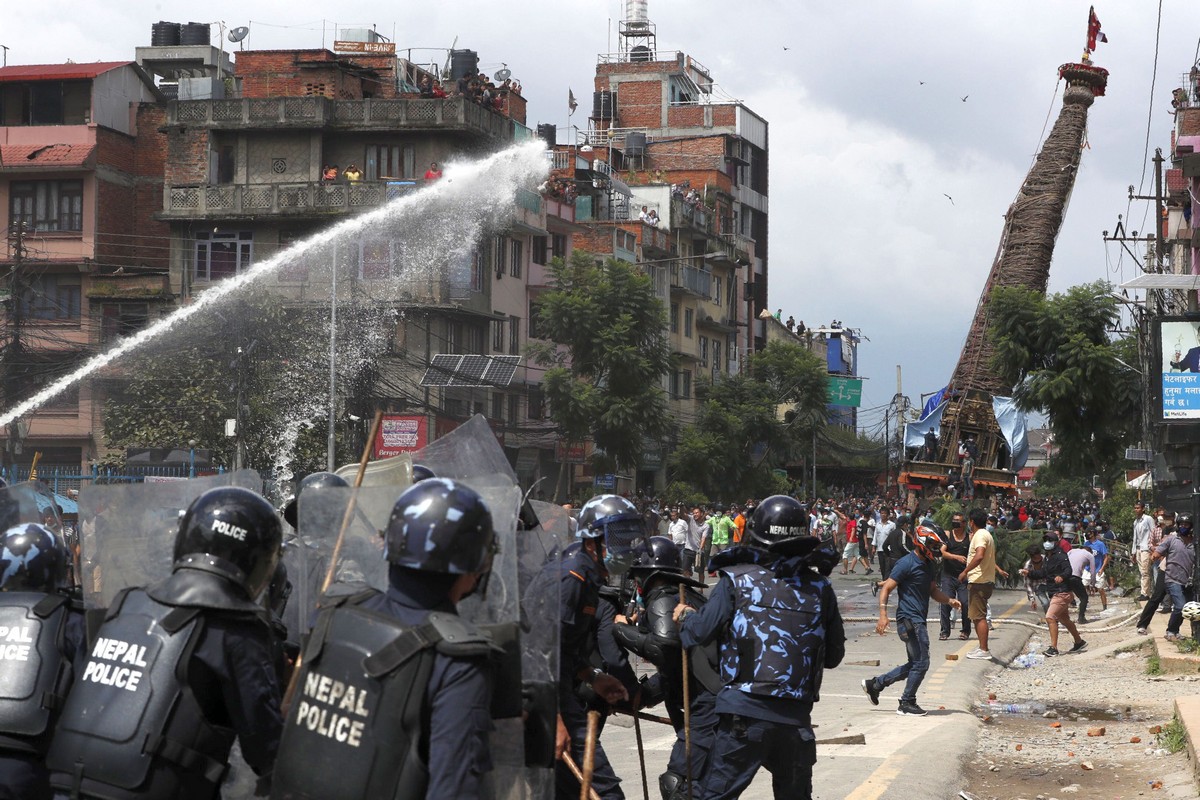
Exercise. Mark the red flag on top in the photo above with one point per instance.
(1094, 32)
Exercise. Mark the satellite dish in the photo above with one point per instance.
(239, 33)
(503, 74)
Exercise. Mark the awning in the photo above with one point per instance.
(45, 156)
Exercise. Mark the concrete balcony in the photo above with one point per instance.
(691, 280)
(698, 217)
(273, 113)
(315, 199)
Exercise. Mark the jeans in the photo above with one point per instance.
(1156, 597)
(1179, 595)
(916, 639)
(742, 745)
(953, 588)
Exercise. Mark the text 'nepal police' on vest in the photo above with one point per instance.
(609, 531)
(395, 692)
(41, 644)
(180, 668)
(776, 620)
(653, 635)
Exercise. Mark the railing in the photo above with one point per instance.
(695, 215)
(279, 198)
(692, 279)
(316, 112)
(530, 201)
(1187, 95)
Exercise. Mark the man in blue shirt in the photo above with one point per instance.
(1100, 574)
(915, 577)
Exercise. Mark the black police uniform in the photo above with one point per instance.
(41, 648)
(779, 627)
(581, 578)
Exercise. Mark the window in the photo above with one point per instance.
(674, 389)
(220, 255)
(47, 205)
(296, 268)
(674, 317)
(704, 351)
(498, 335)
(516, 261)
(501, 251)
(626, 240)
(464, 339)
(46, 103)
(716, 358)
(514, 408)
(122, 319)
(535, 313)
(514, 336)
(716, 290)
(376, 261)
(51, 298)
(688, 315)
(685, 384)
(558, 246)
(390, 162)
(497, 405)
(537, 403)
(540, 246)
(478, 270)
(731, 290)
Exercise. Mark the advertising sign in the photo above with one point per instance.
(1179, 352)
(374, 48)
(401, 433)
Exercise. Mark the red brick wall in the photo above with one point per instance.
(698, 154)
(187, 156)
(639, 104)
(685, 116)
(114, 223)
(595, 238)
(150, 160)
(297, 73)
(1189, 122)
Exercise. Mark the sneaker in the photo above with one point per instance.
(872, 689)
(1142, 598)
(1142, 631)
(1078, 647)
(874, 590)
(1164, 610)
(1051, 651)
(910, 710)
(1171, 637)
(980, 654)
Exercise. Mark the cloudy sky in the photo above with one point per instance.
(868, 128)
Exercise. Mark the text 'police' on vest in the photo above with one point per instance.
(107, 665)
(15, 643)
(323, 714)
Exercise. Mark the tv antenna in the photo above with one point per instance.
(449, 53)
(238, 34)
(504, 73)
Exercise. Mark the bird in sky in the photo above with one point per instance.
(964, 97)
(948, 197)
(785, 47)
(921, 82)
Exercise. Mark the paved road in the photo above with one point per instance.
(904, 757)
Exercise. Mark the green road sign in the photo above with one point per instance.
(845, 391)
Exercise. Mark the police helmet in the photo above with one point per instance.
(420, 472)
(1184, 523)
(618, 522)
(280, 589)
(927, 540)
(657, 554)
(440, 525)
(33, 559)
(232, 532)
(314, 481)
(778, 519)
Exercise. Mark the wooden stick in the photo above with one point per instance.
(574, 768)
(589, 754)
(687, 708)
(637, 732)
(647, 717)
(290, 693)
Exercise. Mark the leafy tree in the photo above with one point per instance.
(607, 352)
(1058, 353)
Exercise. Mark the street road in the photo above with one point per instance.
(904, 757)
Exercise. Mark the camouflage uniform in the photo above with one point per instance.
(779, 629)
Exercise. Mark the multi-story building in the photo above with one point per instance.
(83, 259)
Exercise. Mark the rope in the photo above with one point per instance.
(1035, 626)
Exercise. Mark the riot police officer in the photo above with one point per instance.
(315, 480)
(178, 669)
(776, 618)
(658, 574)
(609, 529)
(394, 692)
(44, 638)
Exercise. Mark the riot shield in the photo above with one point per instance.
(470, 451)
(32, 501)
(127, 530)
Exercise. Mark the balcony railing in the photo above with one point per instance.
(691, 279)
(693, 215)
(530, 201)
(298, 199)
(456, 113)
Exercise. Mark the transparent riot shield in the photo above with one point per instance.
(32, 501)
(468, 451)
(127, 530)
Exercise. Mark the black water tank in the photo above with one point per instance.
(635, 144)
(604, 105)
(463, 62)
(169, 90)
(196, 33)
(164, 34)
(548, 133)
(641, 53)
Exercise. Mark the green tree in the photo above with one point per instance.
(1058, 352)
(607, 353)
(740, 435)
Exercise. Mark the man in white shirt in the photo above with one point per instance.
(1081, 558)
(699, 539)
(1143, 526)
(677, 529)
(882, 530)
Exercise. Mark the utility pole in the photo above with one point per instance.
(15, 349)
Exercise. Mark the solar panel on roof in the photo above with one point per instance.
(449, 369)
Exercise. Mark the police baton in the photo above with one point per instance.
(589, 754)
(288, 695)
(637, 732)
(687, 707)
(574, 768)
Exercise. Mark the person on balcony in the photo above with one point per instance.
(434, 172)
(329, 173)
(353, 174)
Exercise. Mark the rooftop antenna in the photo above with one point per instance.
(238, 34)
(504, 73)
(446, 69)
(4, 47)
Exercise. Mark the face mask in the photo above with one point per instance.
(1160, 519)
(1047, 546)
(991, 528)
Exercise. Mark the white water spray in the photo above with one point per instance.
(485, 188)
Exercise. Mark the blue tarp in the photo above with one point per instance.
(936, 399)
(1012, 425)
(66, 504)
(931, 419)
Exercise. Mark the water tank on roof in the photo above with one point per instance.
(195, 33)
(548, 133)
(641, 53)
(635, 11)
(165, 34)
(463, 62)
(604, 105)
(635, 144)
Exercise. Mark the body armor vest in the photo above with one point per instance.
(776, 643)
(131, 728)
(35, 673)
(359, 724)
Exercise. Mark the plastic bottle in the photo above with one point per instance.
(996, 707)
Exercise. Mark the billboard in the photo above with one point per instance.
(401, 433)
(1179, 359)
(845, 391)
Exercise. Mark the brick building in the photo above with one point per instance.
(83, 260)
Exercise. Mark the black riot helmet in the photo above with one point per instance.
(314, 481)
(279, 590)
(618, 522)
(657, 554)
(779, 519)
(33, 559)
(1184, 523)
(232, 532)
(440, 525)
(421, 472)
